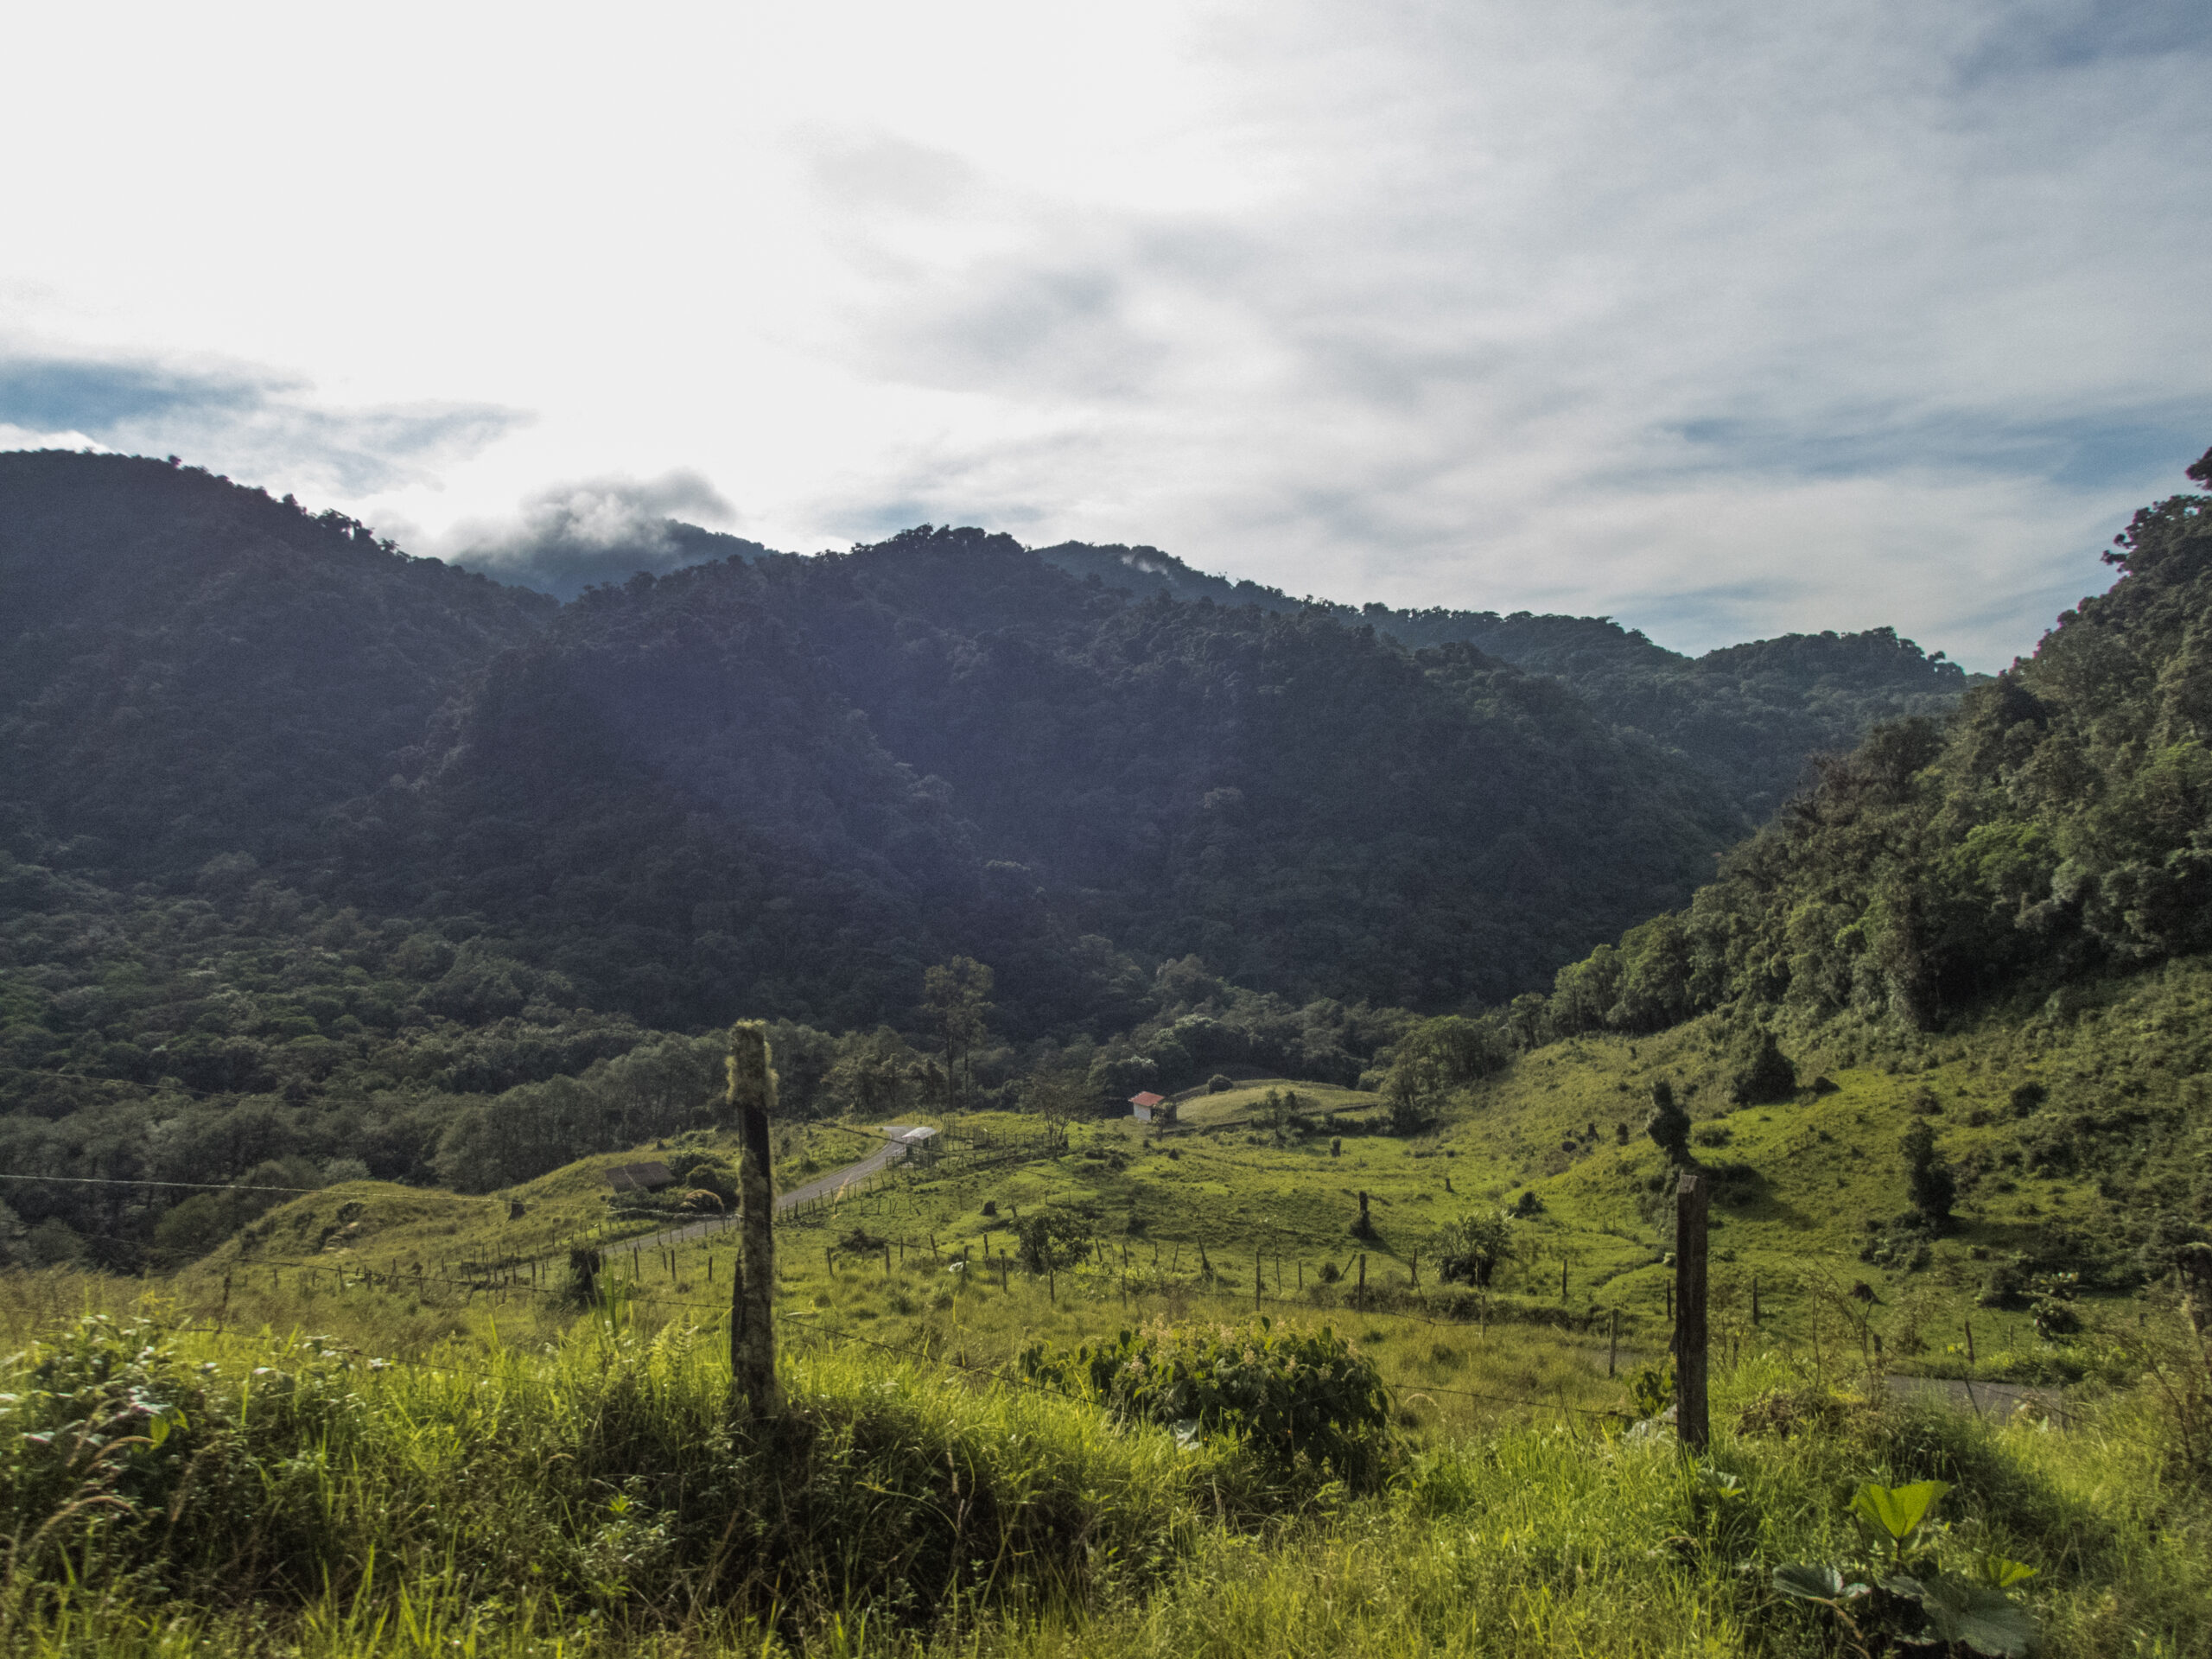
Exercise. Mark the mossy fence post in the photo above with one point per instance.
(1691, 1422)
(753, 1285)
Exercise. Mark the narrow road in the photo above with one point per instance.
(895, 1146)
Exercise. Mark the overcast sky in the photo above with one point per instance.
(1724, 318)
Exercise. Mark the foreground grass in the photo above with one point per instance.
(586, 1490)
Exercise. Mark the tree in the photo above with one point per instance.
(1057, 1096)
(1929, 1181)
(1052, 1239)
(956, 998)
(1468, 1251)
(1431, 1060)
(1669, 1125)
(1763, 1074)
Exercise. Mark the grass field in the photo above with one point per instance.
(452, 1452)
(1185, 1221)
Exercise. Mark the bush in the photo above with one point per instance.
(1762, 1074)
(1468, 1251)
(1054, 1238)
(1219, 1084)
(1307, 1405)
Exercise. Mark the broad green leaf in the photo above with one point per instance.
(2002, 1572)
(1898, 1510)
(1809, 1582)
(1987, 1620)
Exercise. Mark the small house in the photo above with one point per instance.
(1143, 1105)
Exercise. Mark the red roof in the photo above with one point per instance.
(1148, 1098)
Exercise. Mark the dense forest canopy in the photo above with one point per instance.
(2055, 824)
(796, 781)
(1748, 716)
(317, 859)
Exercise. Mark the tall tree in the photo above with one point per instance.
(956, 998)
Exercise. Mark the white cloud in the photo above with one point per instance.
(568, 536)
(1721, 317)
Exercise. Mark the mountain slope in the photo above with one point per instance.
(1748, 716)
(190, 669)
(2059, 824)
(942, 743)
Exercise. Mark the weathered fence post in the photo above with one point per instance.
(753, 1286)
(1691, 1423)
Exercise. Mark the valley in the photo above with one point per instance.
(371, 937)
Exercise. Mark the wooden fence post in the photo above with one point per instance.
(1613, 1343)
(753, 1286)
(1363, 1279)
(1691, 1422)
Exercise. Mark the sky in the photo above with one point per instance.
(1726, 320)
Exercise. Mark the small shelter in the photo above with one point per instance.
(1144, 1105)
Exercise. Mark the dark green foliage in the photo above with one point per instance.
(1470, 1250)
(1219, 1084)
(2058, 823)
(1434, 1058)
(1054, 1238)
(1651, 1389)
(1746, 715)
(1929, 1181)
(1762, 1073)
(1669, 1126)
(1308, 1405)
(194, 672)
(952, 747)
(786, 785)
(1908, 1594)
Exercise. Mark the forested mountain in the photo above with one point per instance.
(790, 783)
(2058, 823)
(315, 857)
(1748, 716)
(189, 669)
(786, 784)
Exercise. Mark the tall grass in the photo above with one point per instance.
(587, 1492)
(604, 1474)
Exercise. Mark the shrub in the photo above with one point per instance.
(1219, 1084)
(1763, 1074)
(1307, 1405)
(1669, 1126)
(1928, 1181)
(1468, 1251)
(1053, 1238)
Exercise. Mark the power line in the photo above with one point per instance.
(123, 1181)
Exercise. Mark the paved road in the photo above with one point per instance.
(894, 1147)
